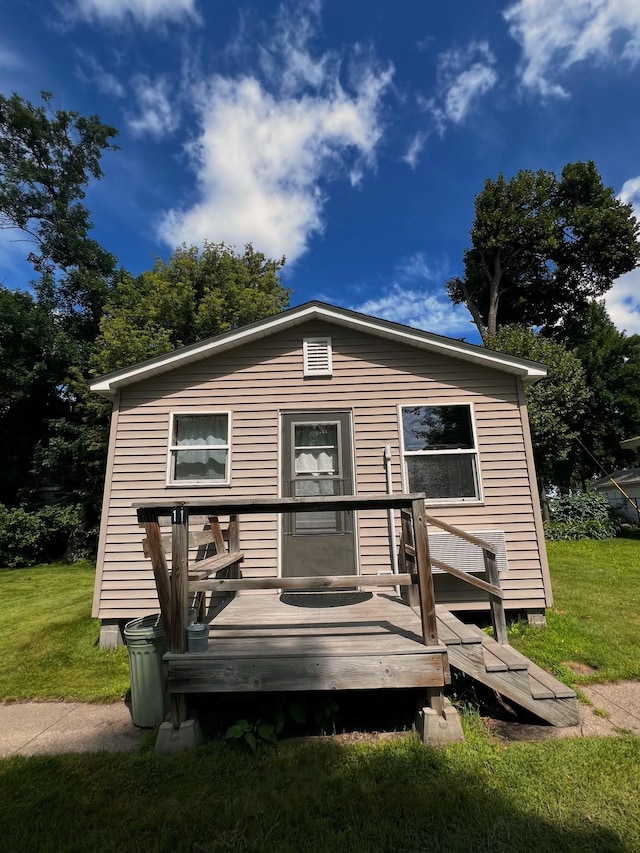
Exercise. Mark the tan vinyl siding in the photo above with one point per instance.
(256, 382)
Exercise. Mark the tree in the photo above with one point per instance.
(47, 159)
(556, 403)
(34, 355)
(195, 294)
(611, 362)
(543, 247)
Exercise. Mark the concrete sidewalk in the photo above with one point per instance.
(53, 728)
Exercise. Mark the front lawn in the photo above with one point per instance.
(593, 629)
(578, 795)
(48, 640)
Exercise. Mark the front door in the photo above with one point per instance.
(317, 460)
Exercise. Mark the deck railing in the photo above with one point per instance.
(174, 588)
(491, 586)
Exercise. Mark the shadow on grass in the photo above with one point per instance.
(305, 797)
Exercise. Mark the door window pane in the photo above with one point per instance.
(316, 449)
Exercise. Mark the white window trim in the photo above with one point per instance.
(184, 484)
(478, 501)
(323, 371)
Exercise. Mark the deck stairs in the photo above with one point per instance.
(506, 671)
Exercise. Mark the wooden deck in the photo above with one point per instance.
(260, 642)
(292, 639)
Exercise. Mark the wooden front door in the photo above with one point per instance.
(317, 459)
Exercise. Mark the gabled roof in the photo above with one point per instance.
(107, 385)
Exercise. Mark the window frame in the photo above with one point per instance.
(172, 448)
(474, 452)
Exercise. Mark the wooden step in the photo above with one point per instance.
(508, 672)
(465, 633)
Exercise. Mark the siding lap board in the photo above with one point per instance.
(371, 376)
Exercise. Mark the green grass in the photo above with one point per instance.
(48, 640)
(595, 620)
(563, 795)
(321, 796)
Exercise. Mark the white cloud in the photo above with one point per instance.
(90, 70)
(623, 302)
(270, 140)
(630, 194)
(430, 311)
(417, 298)
(464, 75)
(145, 12)
(555, 35)
(414, 149)
(156, 116)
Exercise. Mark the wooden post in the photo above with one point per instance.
(497, 607)
(425, 578)
(234, 540)
(177, 640)
(159, 564)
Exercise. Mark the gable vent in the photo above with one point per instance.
(317, 356)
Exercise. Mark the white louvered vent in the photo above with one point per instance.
(463, 555)
(317, 356)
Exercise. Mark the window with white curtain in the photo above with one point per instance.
(199, 448)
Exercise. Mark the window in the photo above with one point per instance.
(440, 455)
(199, 448)
(317, 356)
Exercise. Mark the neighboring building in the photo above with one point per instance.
(304, 403)
(629, 481)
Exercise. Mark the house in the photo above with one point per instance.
(320, 400)
(624, 496)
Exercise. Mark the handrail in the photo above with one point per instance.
(174, 598)
(240, 506)
(462, 534)
(492, 587)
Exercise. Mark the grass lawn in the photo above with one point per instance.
(579, 796)
(595, 620)
(324, 796)
(48, 640)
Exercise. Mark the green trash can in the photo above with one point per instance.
(146, 643)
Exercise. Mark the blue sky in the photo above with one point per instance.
(351, 137)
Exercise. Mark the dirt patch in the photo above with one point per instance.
(579, 668)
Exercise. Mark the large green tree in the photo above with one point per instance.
(556, 403)
(47, 159)
(34, 356)
(542, 247)
(611, 361)
(198, 292)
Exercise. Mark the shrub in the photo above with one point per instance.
(581, 515)
(28, 538)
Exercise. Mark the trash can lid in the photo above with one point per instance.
(145, 627)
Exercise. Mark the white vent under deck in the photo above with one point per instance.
(464, 555)
(317, 356)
